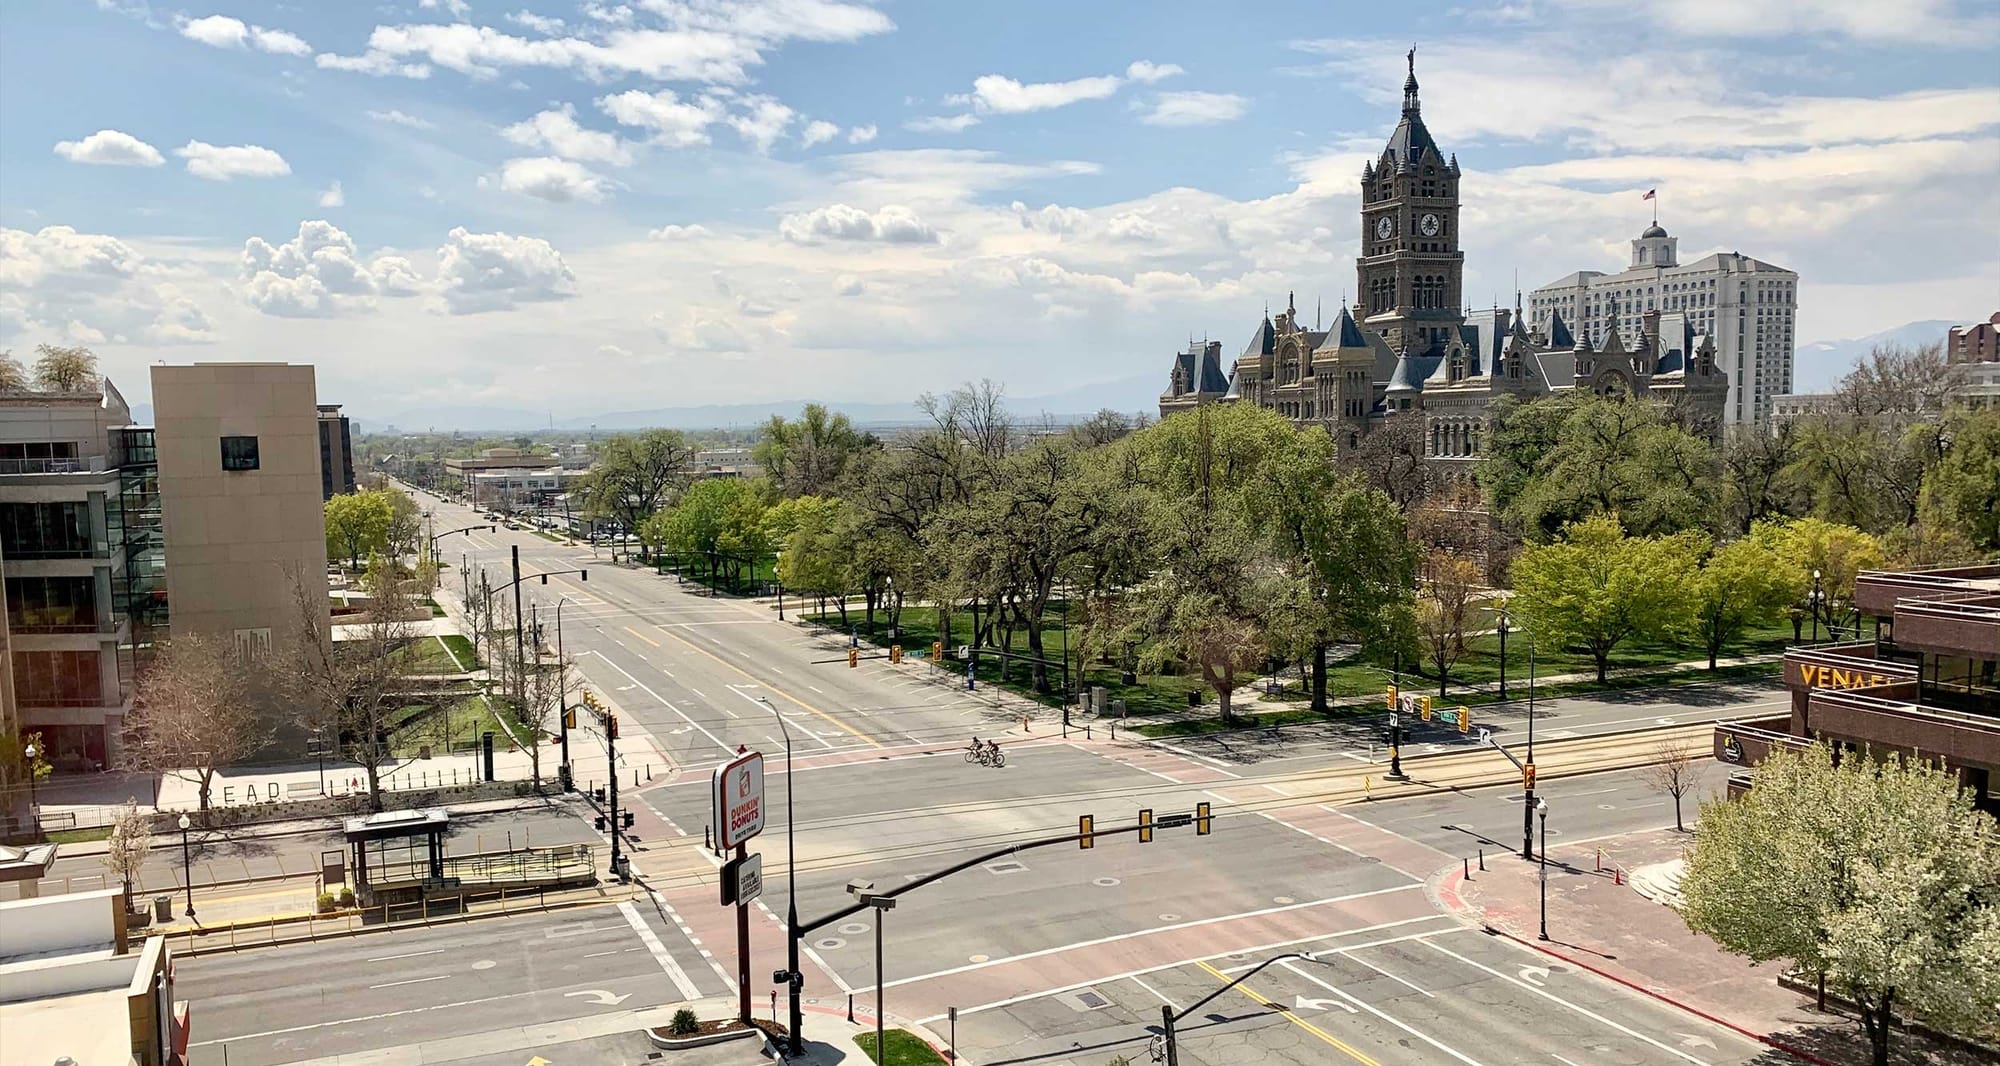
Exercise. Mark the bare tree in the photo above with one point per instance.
(60, 369)
(1898, 382)
(1676, 770)
(13, 376)
(1445, 610)
(551, 686)
(1392, 459)
(125, 851)
(195, 712)
(347, 688)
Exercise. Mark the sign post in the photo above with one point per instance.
(736, 798)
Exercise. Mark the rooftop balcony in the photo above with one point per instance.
(1885, 722)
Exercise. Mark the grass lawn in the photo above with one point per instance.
(461, 651)
(78, 836)
(755, 578)
(456, 727)
(903, 1049)
(546, 535)
(436, 611)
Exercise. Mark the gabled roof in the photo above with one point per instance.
(1346, 332)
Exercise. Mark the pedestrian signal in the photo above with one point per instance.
(1528, 777)
(1424, 708)
(1145, 825)
(1465, 719)
(1083, 829)
(853, 658)
(1202, 819)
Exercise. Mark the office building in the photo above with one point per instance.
(459, 470)
(78, 986)
(1912, 670)
(336, 452)
(240, 489)
(1974, 342)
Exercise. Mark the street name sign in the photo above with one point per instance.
(736, 800)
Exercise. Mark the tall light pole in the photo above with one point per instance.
(864, 893)
(34, 805)
(1528, 794)
(568, 779)
(1503, 648)
(187, 863)
(1815, 605)
(1542, 808)
(794, 980)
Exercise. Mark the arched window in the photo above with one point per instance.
(1642, 255)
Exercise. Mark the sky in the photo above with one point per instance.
(604, 206)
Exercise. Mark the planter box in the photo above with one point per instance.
(711, 1033)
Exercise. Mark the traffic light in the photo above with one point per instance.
(1465, 719)
(625, 817)
(1203, 820)
(1083, 827)
(598, 795)
(937, 651)
(1528, 777)
(1145, 825)
(895, 653)
(1424, 708)
(611, 726)
(600, 823)
(853, 658)
(569, 718)
(1392, 697)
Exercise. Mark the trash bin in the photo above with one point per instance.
(163, 908)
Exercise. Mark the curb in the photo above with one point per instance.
(1447, 895)
(194, 947)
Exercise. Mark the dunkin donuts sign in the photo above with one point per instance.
(737, 800)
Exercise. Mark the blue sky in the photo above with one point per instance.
(598, 206)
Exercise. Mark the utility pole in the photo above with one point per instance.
(520, 652)
(1528, 794)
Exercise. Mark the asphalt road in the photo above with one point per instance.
(1581, 809)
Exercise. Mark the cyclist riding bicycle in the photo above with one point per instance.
(993, 748)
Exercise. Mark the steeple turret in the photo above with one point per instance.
(1410, 104)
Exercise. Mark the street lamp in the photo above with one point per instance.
(1814, 605)
(187, 863)
(794, 980)
(1503, 648)
(777, 572)
(1542, 809)
(1395, 747)
(34, 806)
(864, 893)
(889, 583)
(568, 778)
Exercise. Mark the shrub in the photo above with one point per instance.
(346, 896)
(325, 902)
(684, 1023)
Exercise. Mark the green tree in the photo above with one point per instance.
(1878, 874)
(65, 369)
(636, 475)
(1597, 587)
(720, 520)
(1741, 584)
(1559, 459)
(1963, 490)
(1835, 553)
(810, 454)
(406, 523)
(357, 525)
(812, 557)
(13, 376)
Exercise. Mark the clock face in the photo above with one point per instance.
(1384, 226)
(1428, 225)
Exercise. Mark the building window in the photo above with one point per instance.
(45, 530)
(52, 604)
(239, 453)
(57, 679)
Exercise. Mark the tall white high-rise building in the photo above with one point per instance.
(1746, 304)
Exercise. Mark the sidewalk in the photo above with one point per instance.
(1610, 929)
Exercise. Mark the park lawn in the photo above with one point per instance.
(453, 727)
(461, 651)
(903, 1049)
(79, 836)
(546, 535)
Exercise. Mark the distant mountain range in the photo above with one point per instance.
(1130, 395)
(1818, 367)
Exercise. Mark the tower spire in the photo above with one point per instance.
(1410, 106)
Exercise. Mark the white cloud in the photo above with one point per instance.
(849, 285)
(91, 288)
(224, 162)
(1195, 109)
(894, 224)
(542, 24)
(398, 118)
(818, 131)
(675, 122)
(617, 15)
(333, 196)
(111, 148)
(221, 31)
(1932, 23)
(498, 271)
(677, 232)
(1146, 71)
(558, 181)
(558, 132)
(762, 122)
(372, 63)
(861, 134)
(1003, 95)
(942, 123)
(458, 8)
(318, 274)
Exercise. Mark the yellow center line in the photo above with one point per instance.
(642, 636)
(870, 741)
(1295, 1019)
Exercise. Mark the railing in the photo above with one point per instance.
(42, 466)
(1905, 709)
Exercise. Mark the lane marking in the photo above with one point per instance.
(410, 955)
(1356, 1000)
(606, 660)
(412, 981)
(1141, 982)
(1585, 1011)
(659, 950)
(738, 689)
(642, 636)
(751, 677)
(1294, 1019)
(1349, 952)
(1326, 938)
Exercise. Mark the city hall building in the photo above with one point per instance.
(1409, 349)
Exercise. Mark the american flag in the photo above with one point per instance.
(1649, 194)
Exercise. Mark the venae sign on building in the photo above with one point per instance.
(736, 800)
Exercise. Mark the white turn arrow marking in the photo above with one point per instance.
(600, 997)
(1695, 1040)
(1528, 972)
(1309, 1003)
(678, 732)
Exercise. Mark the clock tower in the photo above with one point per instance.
(1410, 274)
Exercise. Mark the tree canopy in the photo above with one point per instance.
(1597, 587)
(358, 525)
(65, 369)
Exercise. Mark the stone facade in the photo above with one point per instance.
(1408, 349)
